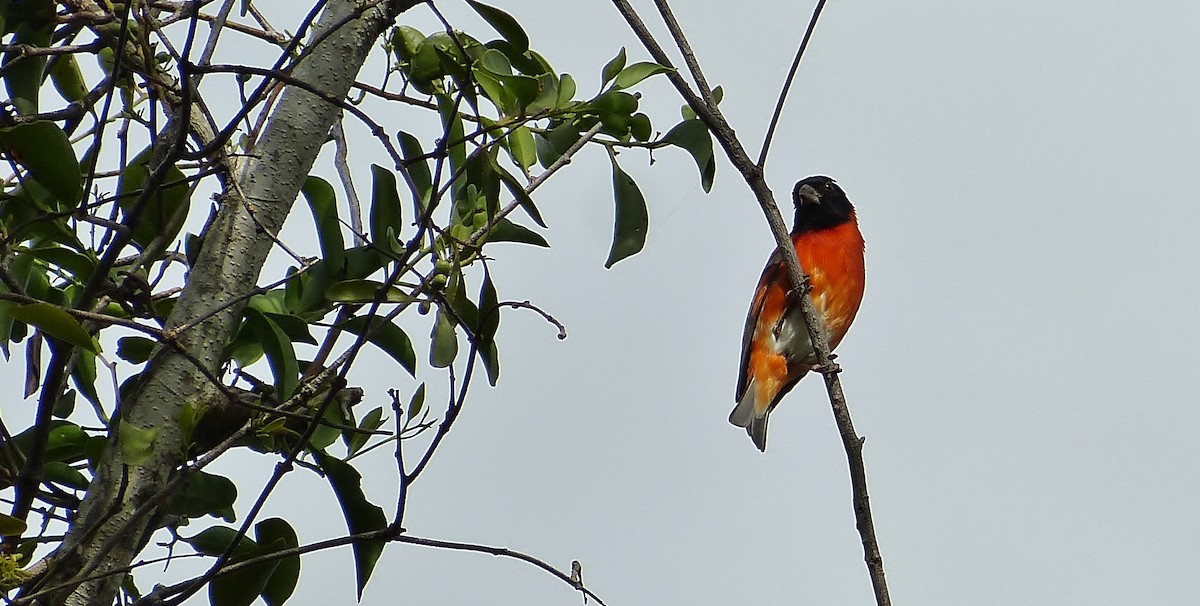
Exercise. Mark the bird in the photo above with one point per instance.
(776, 350)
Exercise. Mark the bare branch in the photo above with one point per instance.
(172, 592)
(562, 330)
(753, 175)
(689, 57)
(343, 170)
(502, 552)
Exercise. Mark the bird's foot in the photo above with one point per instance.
(831, 368)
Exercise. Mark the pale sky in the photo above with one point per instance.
(1023, 366)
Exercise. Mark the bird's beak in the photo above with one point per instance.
(809, 195)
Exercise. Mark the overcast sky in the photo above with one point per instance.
(1023, 367)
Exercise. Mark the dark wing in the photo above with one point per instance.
(771, 272)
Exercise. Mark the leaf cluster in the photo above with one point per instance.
(97, 237)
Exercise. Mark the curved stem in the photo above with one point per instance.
(753, 175)
(787, 85)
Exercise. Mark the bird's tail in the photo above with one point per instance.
(745, 414)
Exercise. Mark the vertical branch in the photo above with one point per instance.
(260, 198)
(343, 171)
(685, 49)
(753, 174)
(787, 84)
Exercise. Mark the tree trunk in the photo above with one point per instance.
(106, 535)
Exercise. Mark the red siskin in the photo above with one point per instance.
(776, 351)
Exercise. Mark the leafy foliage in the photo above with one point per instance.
(102, 220)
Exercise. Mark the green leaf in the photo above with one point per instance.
(482, 191)
(78, 265)
(527, 62)
(443, 347)
(521, 147)
(245, 348)
(612, 68)
(495, 62)
(135, 350)
(190, 415)
(637, 72)
(357, 439)
(326, 433)
(632, 218)
(304, 292)
(55, 322)
(61, 473)
(417, 167)
(690, 114)
(23, 75)
(67, 442)
(615, 102)
(137, 443)
(453, 63)
(511, 94)
(204, 494)
(385, 206)
(504, 100)
(361, 515)
(462, 310)
(43, 148)
(386, 336)
(281, 356)
(10, 526)
(640, 127)
(67, 78)
(507, 231)
(295, 327)
(547, 98)
(365, 291)
(416, 402)
(243, 586)
(64, 405)
(552, 146)
(452, 132)
(83, 374)
(504, 23)
(277, 533)
(322, 201)
(425, 70)
(157, 215)
(485, 333)
(33, 365)
(214, 540)
(566, 89)
(693, 136)
(271, 302)
(405, 41)
(518, 191)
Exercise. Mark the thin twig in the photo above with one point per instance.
(501, 552)
(389, 534)
(562, 330)
(689, 57)
(214, 34)
(343, 170)
(787, 85)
